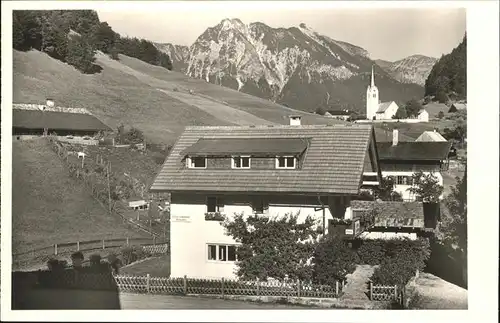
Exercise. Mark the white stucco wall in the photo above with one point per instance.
(389, 112)
(190, 234)
(424, 116)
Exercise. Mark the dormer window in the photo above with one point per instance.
(240, 162)
(197, 162)
(285, 162)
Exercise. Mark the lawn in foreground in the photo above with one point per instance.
(50, 207)
(155, 267)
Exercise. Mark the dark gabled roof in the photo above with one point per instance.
(248, 146)
(33, 119)
(414, 150)
(340, 112)
(333, 162)
(393, 214)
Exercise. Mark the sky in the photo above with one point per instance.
(388, 34)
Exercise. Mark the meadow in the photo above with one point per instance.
(48, 206)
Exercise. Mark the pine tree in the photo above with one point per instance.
(80, 54)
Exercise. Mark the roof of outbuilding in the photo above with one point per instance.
(414, 150)
(33, 119)
(333, 162)
(430, 136)
(393, 214)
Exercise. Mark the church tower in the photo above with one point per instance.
(372, 101)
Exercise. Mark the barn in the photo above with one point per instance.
(37, 120)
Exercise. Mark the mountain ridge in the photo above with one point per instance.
(412, 69)
(285, 64)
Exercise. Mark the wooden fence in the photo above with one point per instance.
(222, 287)
(152, 246)
(90, 278)
(97, 183)
(386, 293)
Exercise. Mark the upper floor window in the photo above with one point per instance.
(374, 95)
(197, 162)
(214, 205)
(240, 162)
(285, 162)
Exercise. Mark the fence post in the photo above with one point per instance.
(103, 245)
(127, 241)
(222, 283)
(148, 279)
(336, 287)
(55, 249)
(396, 292)
(154, 240)
(343, 284)
(258, 287)
(371, 290)
(185, 285)
(298, 288)
(78, 246)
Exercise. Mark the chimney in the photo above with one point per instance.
(50, 103)
(295, 120)
(395, 137)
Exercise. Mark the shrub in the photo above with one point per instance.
(399, 259)
(393, 272)
(333, 260)
(372, 252)
(132, 254)
(440, 115)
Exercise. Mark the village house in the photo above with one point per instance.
(339, 114)
(34, 120)
(402, 159)
(257, 171)
(423, 116)
(388, 220)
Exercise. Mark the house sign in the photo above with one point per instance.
(348, 231)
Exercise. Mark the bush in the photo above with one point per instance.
(398, 259)
(393, 272)
(372, 252)
(440, 115)
(333, 260)
(132, 254)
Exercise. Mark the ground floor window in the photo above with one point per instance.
(403, 180)
(219, 252)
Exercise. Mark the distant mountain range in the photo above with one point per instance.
(295, 66)
(412, 69)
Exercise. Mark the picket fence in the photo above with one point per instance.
(222, 287)
(385, 293)
(97, 278)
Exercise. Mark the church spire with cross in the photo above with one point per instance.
(372, 98)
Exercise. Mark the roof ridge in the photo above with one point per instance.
(355, 125)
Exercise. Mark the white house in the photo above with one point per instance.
(257, 171)
(375, 110)
(423, 116)
(402, 159)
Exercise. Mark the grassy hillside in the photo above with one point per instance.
(151, 98)
(50, 207)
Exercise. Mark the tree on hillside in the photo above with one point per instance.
(27, 30)
(413, 107)
(273, 247)
(426, 187)
(320, 110)
(164, 61)
(442, 97)
(401, 113)
(440, 115)
(449, 74)
(104, 38)
(80, 54)
(54, 36)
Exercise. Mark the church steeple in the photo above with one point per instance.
(373, 79)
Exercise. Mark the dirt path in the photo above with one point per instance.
(357, 283)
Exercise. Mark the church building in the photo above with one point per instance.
(376, 110)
